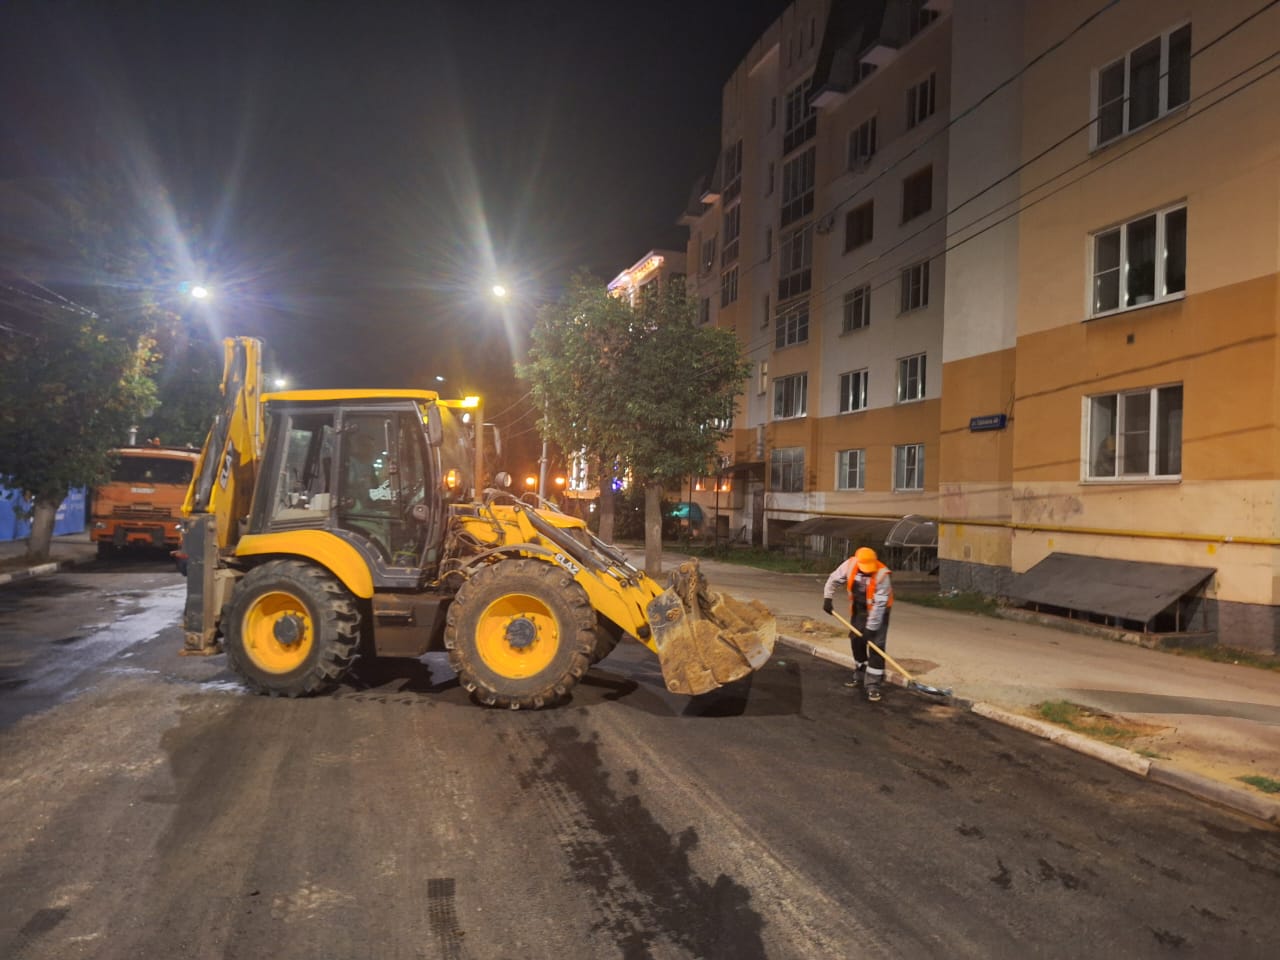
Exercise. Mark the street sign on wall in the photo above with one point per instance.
(992, 421)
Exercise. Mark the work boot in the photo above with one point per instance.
(873, 691)
(859, 676)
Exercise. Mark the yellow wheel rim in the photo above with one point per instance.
(278, 632)
(517, 636)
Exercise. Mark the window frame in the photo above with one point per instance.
(791, 327)
(903, 473)
(908, 284)
(854, 387)
(799, 178)
(862, 144)
(1122, 269)
(915, 103)
(859, 226)
(729, 286)
(1125, 100)
(843, 469)
(788, 476)
(1159, 402)
(907, 377)
(795, 388)
(856, 309)
(795, 262)
(912, 191)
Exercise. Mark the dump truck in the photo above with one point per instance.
(328, 525)
(140, 505)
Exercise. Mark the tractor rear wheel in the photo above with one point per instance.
(521, 634)
(290, 629)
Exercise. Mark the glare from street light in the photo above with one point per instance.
(500, 291)
(281, 383)
(199, 293)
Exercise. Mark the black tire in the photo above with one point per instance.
(276, 602)
(520, 634)
(107, 550)
(607, 637)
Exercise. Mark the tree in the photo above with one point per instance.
(648, 387)
(75, 342)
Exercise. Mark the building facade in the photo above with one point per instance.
(1012, 267)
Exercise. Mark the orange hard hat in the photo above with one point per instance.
(866, 560)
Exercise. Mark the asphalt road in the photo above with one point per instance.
(151, 808)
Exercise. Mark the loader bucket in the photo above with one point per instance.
(706, 639)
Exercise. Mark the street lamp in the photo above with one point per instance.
(502, 293)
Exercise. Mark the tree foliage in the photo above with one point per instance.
(77, 330)
(647, 385)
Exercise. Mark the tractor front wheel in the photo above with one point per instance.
(291, 629)
(521, 634)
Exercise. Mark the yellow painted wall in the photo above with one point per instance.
(877, 431)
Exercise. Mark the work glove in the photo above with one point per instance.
(827, 605)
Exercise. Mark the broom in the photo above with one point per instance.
(912, 682)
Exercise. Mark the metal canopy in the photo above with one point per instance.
(1126, 589)
(864, 530)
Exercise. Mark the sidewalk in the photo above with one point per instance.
(64, 551)
(1211, 722)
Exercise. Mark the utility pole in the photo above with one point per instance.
(542, 461)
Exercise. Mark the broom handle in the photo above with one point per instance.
(888, 659)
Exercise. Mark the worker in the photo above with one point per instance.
(870, 588)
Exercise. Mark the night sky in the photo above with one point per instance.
(351, 177)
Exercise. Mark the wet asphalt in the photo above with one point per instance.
(153, 808)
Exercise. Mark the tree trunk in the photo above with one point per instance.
(607, 500)
(42, 516)
(653, 529)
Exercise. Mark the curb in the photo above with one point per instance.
(1157, 771)
(40, 570)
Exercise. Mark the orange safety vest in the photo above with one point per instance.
(871, 584)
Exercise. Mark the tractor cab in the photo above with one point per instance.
(376, 470)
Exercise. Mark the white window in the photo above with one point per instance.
(732, 230)
(911, 378)
(729, 287)
(857, 309)
(853, 391)
(851, 466)
(789, 396)
(1143, 85)
(908, 467)
(766, 317)
(862, 144)
(921, 101)
(732, 173)
(795, 262)
(1136, 434)
(800, 121)
(786, 469)
(763, 374)
(1142, 261)
(708, 257)
(797, 187)
(915, 287)
(793, 325)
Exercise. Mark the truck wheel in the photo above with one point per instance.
(290, 629)
(521, 634)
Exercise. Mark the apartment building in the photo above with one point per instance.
(1013, 267)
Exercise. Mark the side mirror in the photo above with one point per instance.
(435, 428)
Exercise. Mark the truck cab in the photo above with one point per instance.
(141, 504)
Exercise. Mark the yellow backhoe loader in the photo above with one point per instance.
(323, 525)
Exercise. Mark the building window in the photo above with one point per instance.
(773, 112)
(800, 120)
(857, 309)
(908, 467)
(762, 383)
(728, 287)
(768, 243)
(768, 180)
(1139, 262)
(921, 101)
(915, 287)
(859, 224)
(917, 194)
(911, 378)
(708, 258)
(795, 263)
(765, 316)
(732, 173)
(1143, 85)
(862, 144)
(797, 187)
(1135, 435)
(851, 467)
(853, 391)
(732, 230)
(790, 396)
(793, 325)
(704, 311)
(786, 469)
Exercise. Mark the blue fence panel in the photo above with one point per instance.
(70, 517)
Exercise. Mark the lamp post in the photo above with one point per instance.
(501, 293)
